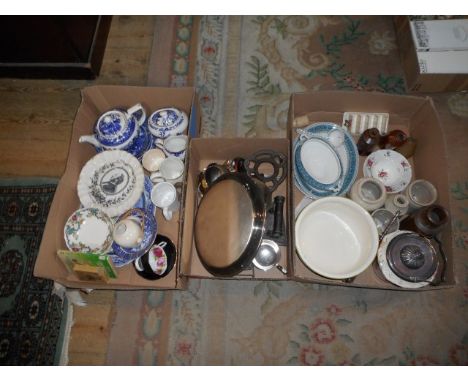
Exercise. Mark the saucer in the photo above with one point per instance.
(88, 230)
(112, 181)
(153, 265)
(145, 202)
(390, 167)
(122, 256)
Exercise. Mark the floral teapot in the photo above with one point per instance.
(121, 129)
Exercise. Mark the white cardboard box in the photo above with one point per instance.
(440, 35)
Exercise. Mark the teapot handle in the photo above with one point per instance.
(135, 109)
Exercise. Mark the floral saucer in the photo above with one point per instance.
(112, 181)
(88, 230)
(390, 167)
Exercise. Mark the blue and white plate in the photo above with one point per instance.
(122, 256)
(318, 164)
(142, 143)
(145, 202)
(348, 160)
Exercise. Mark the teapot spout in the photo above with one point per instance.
(90, 139)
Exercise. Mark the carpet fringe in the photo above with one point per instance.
(73, 295)
(64, 359)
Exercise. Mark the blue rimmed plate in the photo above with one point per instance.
(318, 164)
(348, 156)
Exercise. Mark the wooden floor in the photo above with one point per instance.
(36, 118)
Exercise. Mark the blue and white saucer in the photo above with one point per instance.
(346, 158)
(122, 256)
(145, 202)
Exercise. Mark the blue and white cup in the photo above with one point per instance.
(175, 145)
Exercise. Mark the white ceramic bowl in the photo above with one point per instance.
(336, 237)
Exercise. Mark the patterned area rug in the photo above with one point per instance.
(172, 60)
(30, 314)
(246, 69)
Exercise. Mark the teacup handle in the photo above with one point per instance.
(156, 177)
(167, 213)
(162, 244)
(136, 108)
(159, 143)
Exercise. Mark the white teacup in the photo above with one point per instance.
(164, 196)
(128, 233)
(174, 145)
(170, 170)
(152, 159)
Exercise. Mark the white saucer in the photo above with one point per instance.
(112, 181)
(390, 167)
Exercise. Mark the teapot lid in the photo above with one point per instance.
(412, 257)
(166, 117)
(114, 128)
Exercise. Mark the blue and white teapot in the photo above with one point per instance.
(166, 122)
(119, 129)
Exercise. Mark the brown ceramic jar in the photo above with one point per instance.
(393, 139)
(408, 148)
(369, 141)
(427, 221)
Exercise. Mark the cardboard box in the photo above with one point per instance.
(414, 115)
(440, 35)
(455, 61)
(95, 101)
(415, 78)
(202, 153)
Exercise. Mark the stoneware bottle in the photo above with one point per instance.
(420, 193)
(397, 202)
(369, 193)
(427, 221)
(369, 141)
